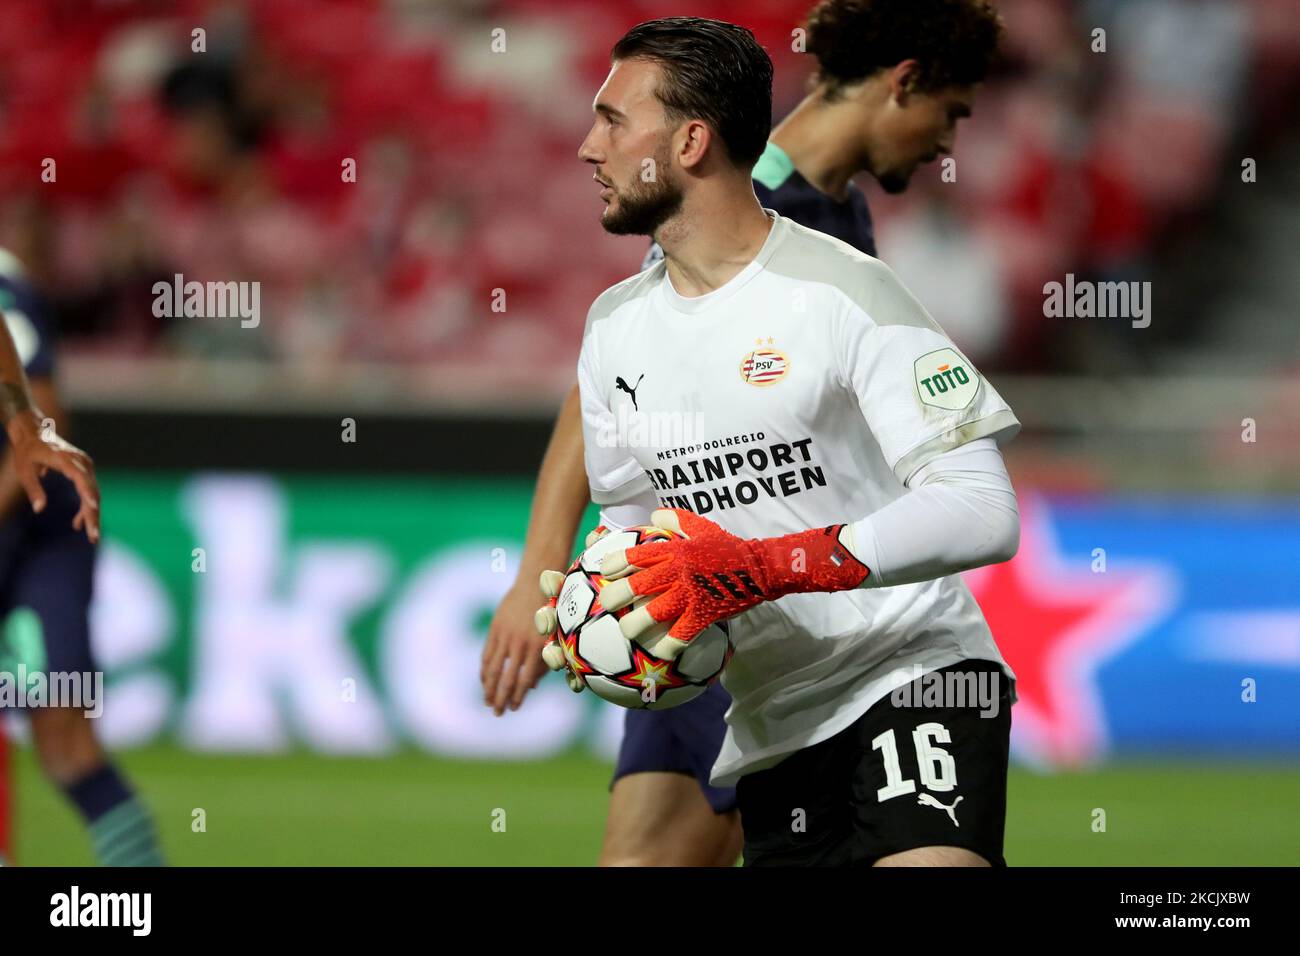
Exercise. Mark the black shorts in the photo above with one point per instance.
(903, 775)
(683, 739)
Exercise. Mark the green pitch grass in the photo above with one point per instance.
(413, 809)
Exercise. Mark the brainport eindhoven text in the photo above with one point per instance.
(803, 473)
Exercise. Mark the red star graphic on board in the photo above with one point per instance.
(1056, 622)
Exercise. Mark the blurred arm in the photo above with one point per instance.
(512, 660)
(45, 396)
(560, 498)
(15, 394)
(36, 449)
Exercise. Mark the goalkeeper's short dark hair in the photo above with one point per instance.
(955, 42)
(713, 71)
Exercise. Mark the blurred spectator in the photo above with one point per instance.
(469, 230)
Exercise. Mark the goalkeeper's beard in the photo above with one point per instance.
(643, 208)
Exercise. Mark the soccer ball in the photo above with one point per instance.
(624, 672)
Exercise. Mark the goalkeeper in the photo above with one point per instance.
(841, 586)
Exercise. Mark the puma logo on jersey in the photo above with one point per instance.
(623, 387)
(925, 800)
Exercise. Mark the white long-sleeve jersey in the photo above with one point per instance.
(811, 389)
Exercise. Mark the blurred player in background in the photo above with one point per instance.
(893, 78)
(46, 571)
(34, 445)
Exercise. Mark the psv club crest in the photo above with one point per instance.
(764, 366)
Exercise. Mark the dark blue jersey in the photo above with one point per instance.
(781, 188)
(25, 315)
(46, 567)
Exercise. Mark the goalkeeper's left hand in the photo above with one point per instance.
(711, 575)
(547, 621)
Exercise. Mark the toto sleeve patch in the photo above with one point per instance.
(945, 379)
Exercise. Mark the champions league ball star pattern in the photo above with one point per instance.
(620, 671)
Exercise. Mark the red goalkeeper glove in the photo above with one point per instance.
(711, 575)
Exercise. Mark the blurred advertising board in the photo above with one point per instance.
(253, 612)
